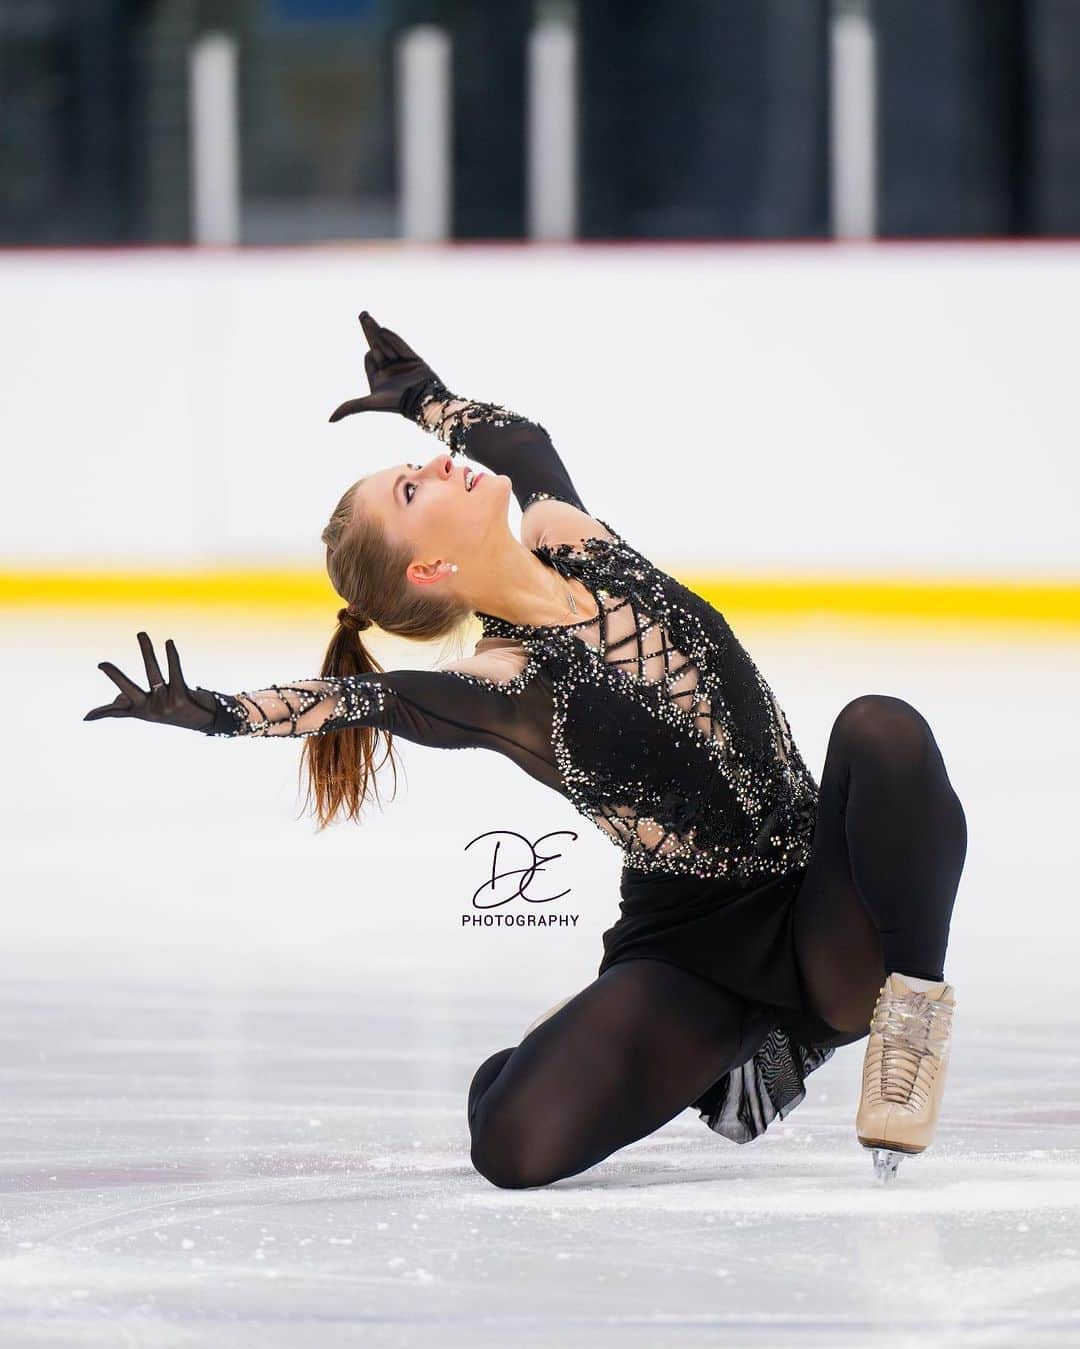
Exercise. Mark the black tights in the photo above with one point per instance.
(643, 1041)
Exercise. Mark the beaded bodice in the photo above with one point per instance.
(664, 731)
(649, 717)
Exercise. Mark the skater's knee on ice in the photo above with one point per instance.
(508, 1152)
(508, 1169)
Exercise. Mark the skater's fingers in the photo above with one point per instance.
(372, 403)
(373, 357)
(176, 675)
(153, 669)
(400, 347)
(116, 709)
(383, 352)
(125, 685)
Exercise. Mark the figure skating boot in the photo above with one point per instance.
(904, 1071)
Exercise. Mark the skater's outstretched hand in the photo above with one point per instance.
(395, 374)
(170, 703)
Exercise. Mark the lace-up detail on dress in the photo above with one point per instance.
(665, 733)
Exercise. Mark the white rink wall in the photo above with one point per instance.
(904, 409)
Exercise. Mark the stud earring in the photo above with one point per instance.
(453, 566)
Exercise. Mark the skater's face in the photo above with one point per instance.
(429, 507)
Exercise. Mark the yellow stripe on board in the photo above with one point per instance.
(981, 602)
(219, 588)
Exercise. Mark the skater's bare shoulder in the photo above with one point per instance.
(498, 658)
(550, 522)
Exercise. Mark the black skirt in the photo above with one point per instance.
(741, 938)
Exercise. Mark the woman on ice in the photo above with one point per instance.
(764, 920)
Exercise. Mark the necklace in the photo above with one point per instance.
(569, 595)
(569, 592)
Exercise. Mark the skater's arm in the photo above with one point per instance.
(503, 441)
(448, 709)
(552, 510)
(441, 708)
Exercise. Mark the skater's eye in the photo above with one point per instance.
(405, 489)
(408, 498)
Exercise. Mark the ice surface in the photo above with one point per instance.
(235, 1052)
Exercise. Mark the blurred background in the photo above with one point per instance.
(517, 119)
(792, 285)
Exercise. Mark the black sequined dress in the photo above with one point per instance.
(654, 722)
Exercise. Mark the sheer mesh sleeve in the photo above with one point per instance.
(501, 440)
(445, 709)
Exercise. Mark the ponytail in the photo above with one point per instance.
(340, 766)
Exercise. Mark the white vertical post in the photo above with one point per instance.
(853, 121)
(424, 147)
(551, 155)
(215, 140)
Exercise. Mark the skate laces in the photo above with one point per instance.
(914, 1030)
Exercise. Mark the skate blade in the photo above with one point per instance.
(886, 1162)
(887, 1157)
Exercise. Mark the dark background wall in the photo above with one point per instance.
(704, 120)
(698, 118)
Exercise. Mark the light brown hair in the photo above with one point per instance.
(367, 569)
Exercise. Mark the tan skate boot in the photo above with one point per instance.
(904, 1071)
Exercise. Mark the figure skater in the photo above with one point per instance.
(764, 921)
